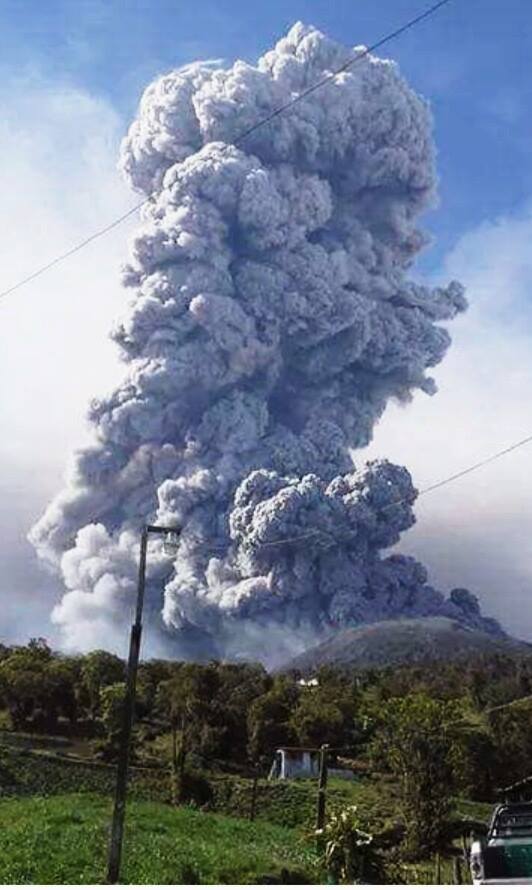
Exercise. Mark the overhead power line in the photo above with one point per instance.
(508, 704)
(423, 491)
(349, 64)
(240, 138)
(471, 469)
(75, 249)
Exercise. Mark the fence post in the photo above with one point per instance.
(253, 797)
(322, 785)
(175, 777)
(182, 759)
(437, 877)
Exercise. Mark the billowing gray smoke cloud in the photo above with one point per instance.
(272, 321)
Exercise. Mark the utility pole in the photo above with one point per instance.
(117, 826)
(322, 785)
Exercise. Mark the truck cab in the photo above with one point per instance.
(504, 856)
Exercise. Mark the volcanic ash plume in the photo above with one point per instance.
(271, 322)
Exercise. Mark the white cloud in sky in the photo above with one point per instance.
(58, 148)
(477, 531)
(58, 182)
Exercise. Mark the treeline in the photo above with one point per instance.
(237, 713)
(439, 729)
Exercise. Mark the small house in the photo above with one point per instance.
(295, 763)
(302, 763)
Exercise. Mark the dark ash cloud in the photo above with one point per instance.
(271, 323)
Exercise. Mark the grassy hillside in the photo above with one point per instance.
(292, 804)
(63, 840)
(169, 845)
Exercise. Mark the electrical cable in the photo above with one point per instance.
(398, 503)
(422, 492)
(240, 138)
(481, 463)
(73, 250)
(332, 76)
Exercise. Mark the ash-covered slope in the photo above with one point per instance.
(405, 641)
(272, 319)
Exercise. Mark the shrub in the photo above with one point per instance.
(349, 854)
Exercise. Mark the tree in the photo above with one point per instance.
(187, 700)
(213, 701)
(62, 675)
(421, 741)
(511, 731)
(316, 721)
(25, 685)
(240, 685)
(327, 713)
(150, 674)
(112, 699)
(269, 721)
(98, 670)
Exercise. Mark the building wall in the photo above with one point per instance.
(299, 764)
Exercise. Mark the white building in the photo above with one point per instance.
(302, 763)
(295, 763)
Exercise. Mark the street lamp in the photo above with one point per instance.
(117, 826)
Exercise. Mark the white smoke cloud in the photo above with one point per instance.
(272, 322)
(55, 189)
(57, 152)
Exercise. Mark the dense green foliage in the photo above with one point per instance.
(202, 731)
(37, 687)
(238, 713)
(422, 741)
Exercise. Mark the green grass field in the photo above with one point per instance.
(55, 815)
(63, 840)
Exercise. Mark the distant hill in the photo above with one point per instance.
(405, 641)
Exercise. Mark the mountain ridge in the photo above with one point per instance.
(405, 641)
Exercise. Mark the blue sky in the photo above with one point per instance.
(71, 74)
(470, 60)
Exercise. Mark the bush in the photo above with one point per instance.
(349, 854)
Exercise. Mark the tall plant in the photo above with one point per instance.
(349, 852)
